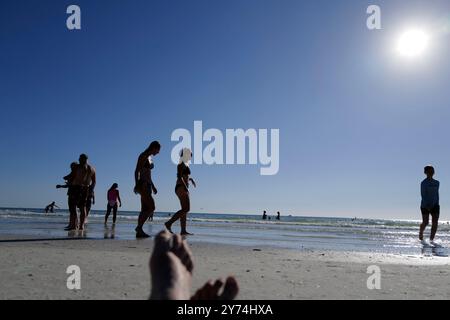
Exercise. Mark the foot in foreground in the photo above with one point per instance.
(171, 269)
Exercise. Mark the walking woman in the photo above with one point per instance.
(113, 201)
(144, 186)
(182, 191)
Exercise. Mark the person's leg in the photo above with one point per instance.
(183, 196)
(82, 207)
(434, 222)
(186, 206)
(72, 202)
(183, 222)
(147, 208)
(88, 210)
(114, 213)
(171, 270)
(72, 216)
(108, 212)
(82, 217)
(425, 221)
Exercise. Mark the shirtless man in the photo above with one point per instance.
(83, 183)
(144, 186)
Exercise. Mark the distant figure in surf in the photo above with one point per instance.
(114, 201)
(144, 186)
(182, 191)
(278, 215)
(51, 207)
(264, 217)
(429, 189)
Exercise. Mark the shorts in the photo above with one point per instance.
(435, 211)
(79, 196)
(112, 208)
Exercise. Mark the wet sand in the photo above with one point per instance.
(118, 269)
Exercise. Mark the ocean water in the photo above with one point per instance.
(291, 232)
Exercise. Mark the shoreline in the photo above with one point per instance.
(118, 269)
(299, 233)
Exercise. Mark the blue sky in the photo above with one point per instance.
(357, 122)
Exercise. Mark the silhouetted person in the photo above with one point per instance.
(51, 207)
(71, 200)
(171, 268)
(278, 215)
(114, 201)
(83, 183)
(182, 191)
(429, 189)
(264, 217)
(144, 186)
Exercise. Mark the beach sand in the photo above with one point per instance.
(118, 269)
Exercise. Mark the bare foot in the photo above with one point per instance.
(168, 227)
(171, 268)
(210, 291)
(171, 271)
(185, 233)
(140, 234)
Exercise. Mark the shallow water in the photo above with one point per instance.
(302, 233)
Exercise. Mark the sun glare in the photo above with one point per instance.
(412, 43)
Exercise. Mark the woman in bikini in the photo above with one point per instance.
(145, 187)
(182, 191)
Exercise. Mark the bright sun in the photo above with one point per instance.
(413, 43)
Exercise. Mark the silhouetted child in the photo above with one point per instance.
(429, 189)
